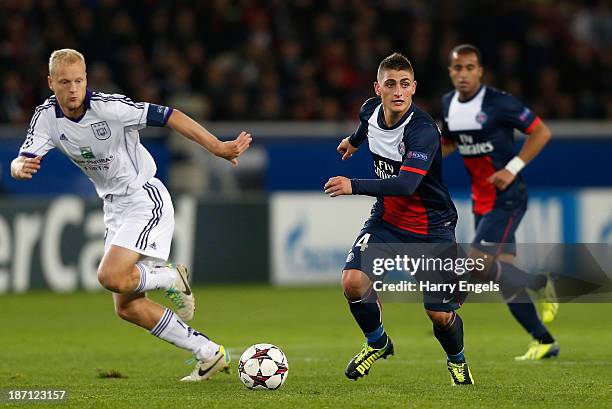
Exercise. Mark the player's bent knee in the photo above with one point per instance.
(439, 318)
(355, 284)
(112, 281)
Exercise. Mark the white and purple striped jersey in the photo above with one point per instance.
(104, 142)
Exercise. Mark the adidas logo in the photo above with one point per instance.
(63, 137)
(153, 246)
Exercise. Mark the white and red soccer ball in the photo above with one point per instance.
(263, 366)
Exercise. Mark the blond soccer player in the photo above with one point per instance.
(99, 133)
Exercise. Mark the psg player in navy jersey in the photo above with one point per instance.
(480, 121)
(413, 206)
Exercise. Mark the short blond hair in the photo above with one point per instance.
(64, 56)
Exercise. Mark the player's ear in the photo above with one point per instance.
(50, 82)
(377, 88)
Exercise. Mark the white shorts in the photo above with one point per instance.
(142, 222)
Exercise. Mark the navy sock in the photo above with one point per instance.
(527, 316)
(523, 310)
(369, 318)
(451, 338)
(508, 275)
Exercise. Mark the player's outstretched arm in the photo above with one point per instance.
(23, 168)
(536, 140)
(346, 149)
(190, 129)
(403, 185)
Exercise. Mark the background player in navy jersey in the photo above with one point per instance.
(99, 133)
(413, 206)
(480, 121)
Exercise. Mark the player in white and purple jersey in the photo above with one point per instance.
(413, 208)
(99, 134)
(480, 121)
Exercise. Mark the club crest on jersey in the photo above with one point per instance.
(481, 117)
(101, 130)
(401, 148)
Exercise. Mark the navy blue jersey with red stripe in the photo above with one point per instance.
(408, 163)
(483, 128)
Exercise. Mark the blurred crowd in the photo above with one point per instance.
(306, 59)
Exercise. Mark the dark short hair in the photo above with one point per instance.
(397, 62)
(463, 49)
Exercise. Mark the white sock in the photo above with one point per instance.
(154, 277)
(170, 328)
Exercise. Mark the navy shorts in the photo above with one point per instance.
(495, 230)
(390, 241)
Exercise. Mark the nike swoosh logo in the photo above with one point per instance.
(202, 373)
(187, 288)
(445, 301)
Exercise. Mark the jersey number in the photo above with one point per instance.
(363, 242)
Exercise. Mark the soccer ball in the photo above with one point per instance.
(263, 366)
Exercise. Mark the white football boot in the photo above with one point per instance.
(206, 369)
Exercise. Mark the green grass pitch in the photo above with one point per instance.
(64, 341)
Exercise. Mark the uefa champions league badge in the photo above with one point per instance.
(481, 117)
(401, 148)
(28, 142)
